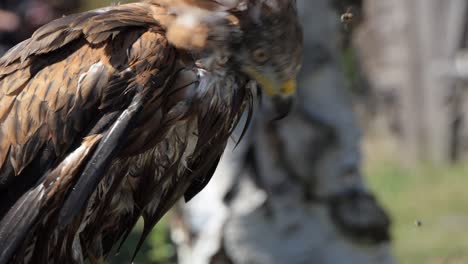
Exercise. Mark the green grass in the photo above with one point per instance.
(438, 197)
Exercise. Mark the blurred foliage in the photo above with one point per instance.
(349, 60)
(157, 248)
(428, 207)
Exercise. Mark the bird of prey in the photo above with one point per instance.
(114, 114)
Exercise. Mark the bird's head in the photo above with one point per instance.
(271, 50)
(263, 39)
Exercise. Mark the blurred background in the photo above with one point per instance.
(369, 168)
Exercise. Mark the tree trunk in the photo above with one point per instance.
(292, 192)
(408, 48)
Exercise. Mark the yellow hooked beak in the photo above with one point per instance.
(289, 87)
(272, 88)
(282, 94)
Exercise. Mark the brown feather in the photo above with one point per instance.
(64, 91)
(54, 104)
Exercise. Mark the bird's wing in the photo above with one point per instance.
(60, 74)
(215, 123)
(95, 26)
(66, 96)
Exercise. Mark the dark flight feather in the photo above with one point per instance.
(101, 159)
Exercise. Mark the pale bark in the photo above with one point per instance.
(408, 49)
(292, 192)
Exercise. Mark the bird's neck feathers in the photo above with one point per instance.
(198, 30)
(200, 25)
(218, 5)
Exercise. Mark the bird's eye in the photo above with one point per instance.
(260, 55)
